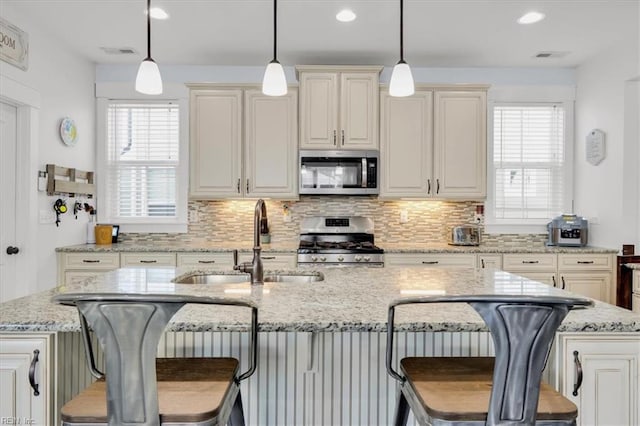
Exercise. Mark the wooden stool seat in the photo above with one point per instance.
(189, 390)
(458, 389)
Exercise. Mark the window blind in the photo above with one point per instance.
(528, 161)
(142, 159)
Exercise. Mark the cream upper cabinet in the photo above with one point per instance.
(215, 143)
(338, 107)
(460, 144)
(229, 161)
(406, 145)
(433, 144)
(271, 145)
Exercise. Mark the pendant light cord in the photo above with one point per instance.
(401, 31)
(148, 29)
(275, 28)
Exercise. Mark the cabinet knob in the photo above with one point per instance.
(578, 376)
(342, 137)
(12, 250)
(334, 137)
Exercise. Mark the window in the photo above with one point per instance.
(530, 163)
(142, 163)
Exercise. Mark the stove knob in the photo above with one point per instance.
(314, 259)
(367, 259)
(358, 258)
(323, 259)
(340, 258)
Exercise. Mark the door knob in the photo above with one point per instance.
(12, 250)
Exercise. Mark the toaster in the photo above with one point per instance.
(464, 235)
(568, 230)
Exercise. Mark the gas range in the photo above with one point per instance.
(338, 241)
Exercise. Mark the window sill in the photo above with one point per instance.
(149, 228)
(503, 228)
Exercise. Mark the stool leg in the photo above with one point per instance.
(402, 410)
(237, 414)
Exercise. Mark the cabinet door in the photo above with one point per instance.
(215, 148)
(548, 278)
(608, 394)
(271, 145)
(318, 110)
(444, 260)
(406, 145)
(358, 111)
(205, 260)
(460, 144)
(596, 285)
(272, 261)
(77, 277)
(489, 261)
(148, 260)
(18, 400)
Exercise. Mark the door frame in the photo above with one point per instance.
(27, 102)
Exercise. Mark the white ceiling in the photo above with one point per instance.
(438, 33)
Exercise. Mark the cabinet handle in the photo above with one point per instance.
(342, 137)
(247, 186)
(428, 186)
(553, 278)
(148, 261)
(238, 188)
(563, 283)
(432, 262)
(206, 261)
(90, 261)
(32, 373)
(585, 262)
(530, 261)
(437, 186)
(268, 257)
(578, 378)
(334, 137)
(482, 262)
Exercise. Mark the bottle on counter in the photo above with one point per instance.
(91, 227)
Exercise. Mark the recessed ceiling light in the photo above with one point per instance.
(157, 13)
(346, 15)
(531, 18)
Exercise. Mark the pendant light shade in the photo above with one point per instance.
(148, 80)
(401, 83)
(274, 82)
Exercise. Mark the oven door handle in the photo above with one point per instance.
(364, 173)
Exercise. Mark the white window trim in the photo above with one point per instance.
(106, 92)
(564, 95)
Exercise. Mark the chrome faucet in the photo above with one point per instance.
(255, 268)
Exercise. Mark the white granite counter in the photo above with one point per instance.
(292, 246)
(632, 265)
(349, 299)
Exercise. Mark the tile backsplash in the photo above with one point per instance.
(232, 220)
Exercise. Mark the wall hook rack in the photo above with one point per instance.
(71, 181)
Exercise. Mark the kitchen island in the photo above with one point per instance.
(322, 344)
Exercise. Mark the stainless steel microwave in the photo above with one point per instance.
(338, 172)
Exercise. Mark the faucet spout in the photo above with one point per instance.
(255, 267)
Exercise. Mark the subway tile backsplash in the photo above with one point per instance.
(232, 220)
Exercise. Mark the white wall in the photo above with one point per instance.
(609, 191)
(65, 82)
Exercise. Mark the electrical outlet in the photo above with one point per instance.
(477, 218)
(47, 216)
(404, 216)
(194, 216)
(286, 213)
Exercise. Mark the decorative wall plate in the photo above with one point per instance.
(68, 131)
(595, 147)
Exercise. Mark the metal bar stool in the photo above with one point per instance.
(140, 390)
(505, 390)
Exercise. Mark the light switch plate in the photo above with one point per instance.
(404, 216)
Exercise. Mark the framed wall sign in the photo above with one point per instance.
(14, 45)
(595, 149)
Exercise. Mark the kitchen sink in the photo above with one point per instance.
(222, 278)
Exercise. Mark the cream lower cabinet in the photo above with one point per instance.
(26, 379)
(540, 267)
(489, 261)
(338, 107)
(147, 260)
(587, 274)
(433, 144)
(205, 260)
(75, 267)
(229, 161)
(445, 260)
(273, 260)
(600, 375)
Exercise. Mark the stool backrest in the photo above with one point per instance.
(522, 328)
(129, 328)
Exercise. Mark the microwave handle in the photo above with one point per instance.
(364, 172)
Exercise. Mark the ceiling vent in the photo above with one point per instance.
(550, 54)
(119, 50)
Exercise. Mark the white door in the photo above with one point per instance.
(8, 244)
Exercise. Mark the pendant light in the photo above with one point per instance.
(148, 80)
(401, 78)
(274, 82)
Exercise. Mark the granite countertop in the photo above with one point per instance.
(349, 299)
(632, 265)
(292, 246)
